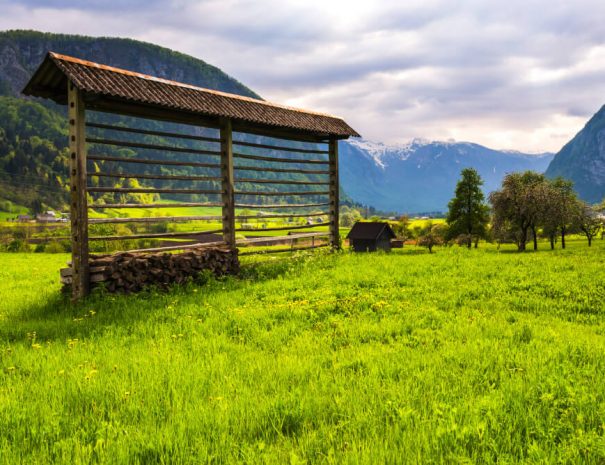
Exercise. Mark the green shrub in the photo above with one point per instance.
(54, 247)
(18, 245)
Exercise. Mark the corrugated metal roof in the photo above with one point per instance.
(93, 78)
(369, 230)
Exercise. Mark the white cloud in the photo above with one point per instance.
(516, 74)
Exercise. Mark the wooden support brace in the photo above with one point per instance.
(334, 214)
(78, 204)
(228, 189)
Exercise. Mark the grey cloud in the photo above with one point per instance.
(427, 68)
(90, 4)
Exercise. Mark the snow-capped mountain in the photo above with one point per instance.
(421, 175)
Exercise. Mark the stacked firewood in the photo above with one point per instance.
(130, 272)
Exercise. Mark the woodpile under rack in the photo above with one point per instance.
(131, 272)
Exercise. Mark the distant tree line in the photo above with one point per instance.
(529, 205)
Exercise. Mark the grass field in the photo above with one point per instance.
(12, 210)
(463, 356)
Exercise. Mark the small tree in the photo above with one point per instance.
(565, 206)
(549, 218)
(468, 215)
(588, 221)
(517, 207)
(401, 227)
(432, 235)
(346, 219)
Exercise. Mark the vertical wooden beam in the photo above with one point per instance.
(228, 196)
(78, 204)
(334, 214)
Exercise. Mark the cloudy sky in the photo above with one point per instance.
(510, 74)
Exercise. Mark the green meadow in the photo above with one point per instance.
(462, 356)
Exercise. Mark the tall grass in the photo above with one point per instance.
(463, 356)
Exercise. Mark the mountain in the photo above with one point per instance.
(421, 176)
(22, 51)
(582, 160)
(415, 177)
(33, 132)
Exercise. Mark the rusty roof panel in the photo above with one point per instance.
(97, 79)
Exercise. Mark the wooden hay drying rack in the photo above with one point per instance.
(246, 135)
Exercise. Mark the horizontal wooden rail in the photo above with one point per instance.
(36, 240)
(291, 237)
(154, 176)
(291, 249)
(277, 147)
(278, 170)
(281, 181)
(274, 133)
(280, 160)
(282, 228)
(153, 235)
(147, 161)
(280, 215)
(283, 205)
(153, 205)
(152, 133)
(151, 190)
(281, 193)
(139, 145)
(154, 219)
(199, 245)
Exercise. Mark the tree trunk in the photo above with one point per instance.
(562, 238)
(477, 242)
(533, 231)
(522, 240)
(552, 242)
(589, 240)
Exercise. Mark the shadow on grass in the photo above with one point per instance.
(522, 252)
(57, 318)
(416, 251)
(60, 319)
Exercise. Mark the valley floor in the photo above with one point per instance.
(463, 356)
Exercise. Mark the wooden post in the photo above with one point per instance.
(228, 196)
(334, 216)
(78, 205)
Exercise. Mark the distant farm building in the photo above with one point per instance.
(47, 217)
(24, 218)
(369, 237)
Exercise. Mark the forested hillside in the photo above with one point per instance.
(22, 51)
(33, 154)
(582, 160)
(33, 133)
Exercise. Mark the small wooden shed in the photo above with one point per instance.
(369, 237)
